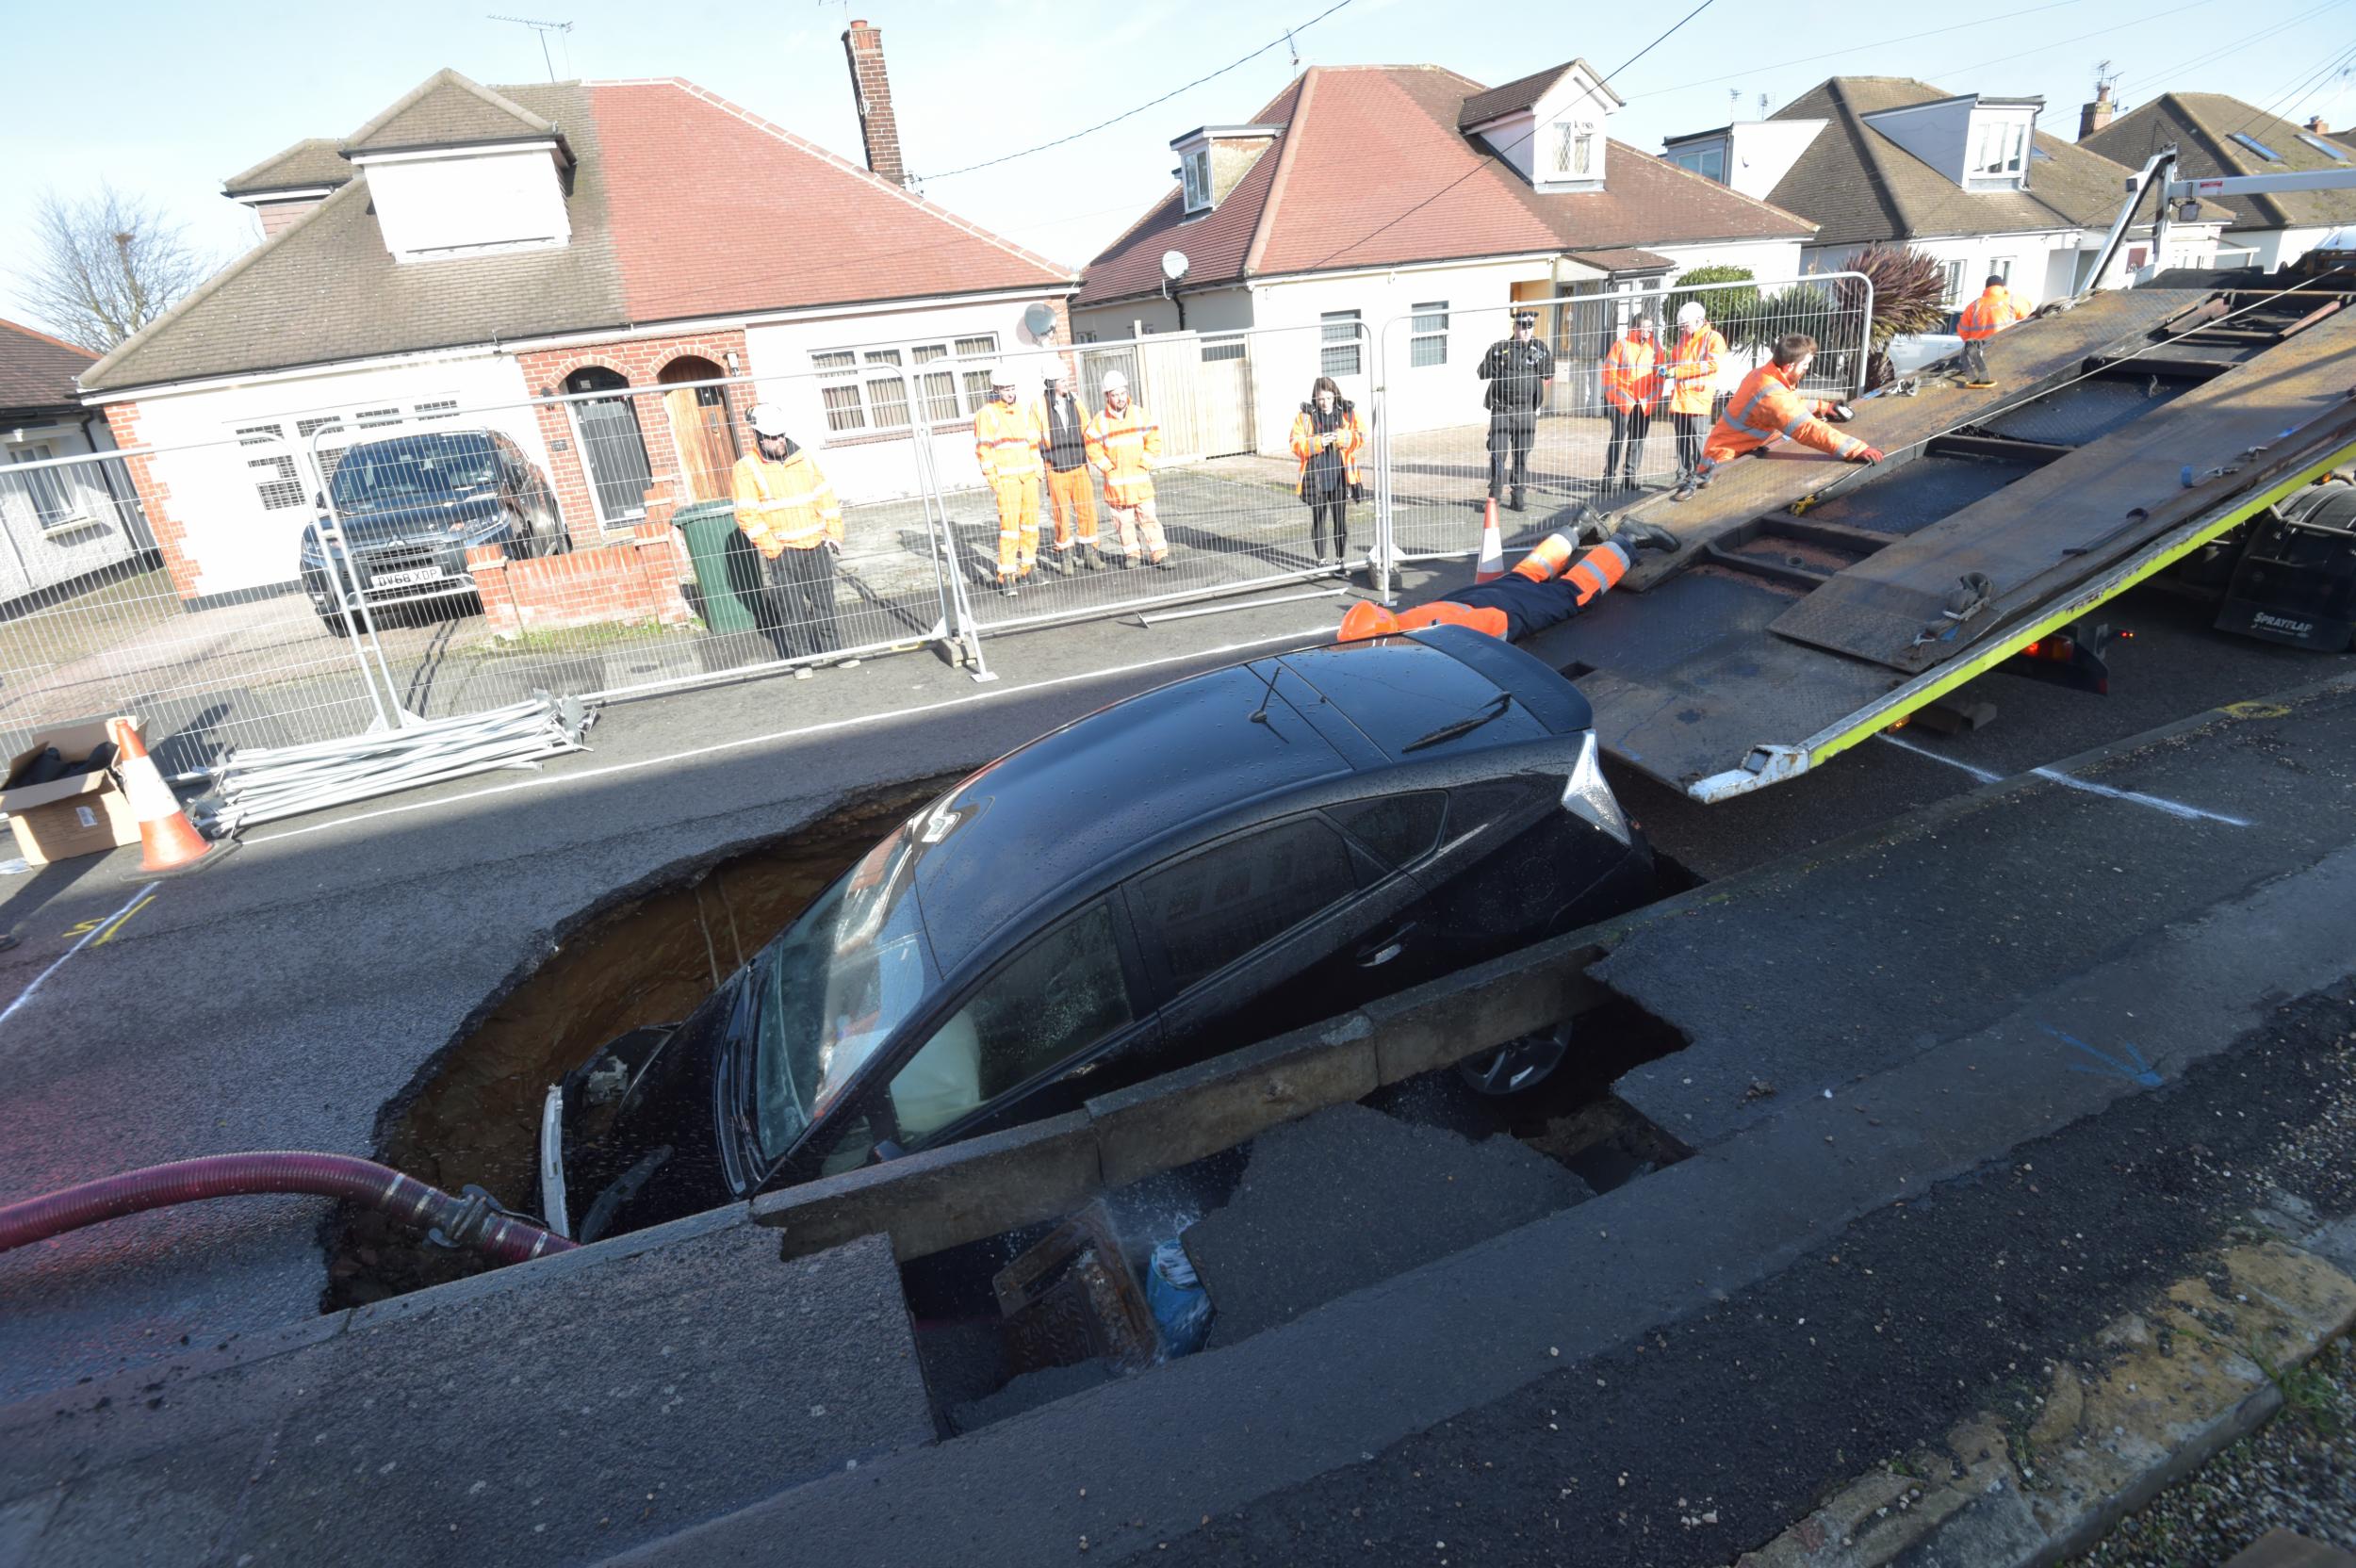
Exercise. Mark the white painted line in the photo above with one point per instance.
(996, 694)
(96, 933)
(2176, 808)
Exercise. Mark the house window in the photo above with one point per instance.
(865, 389)
(58, 506)
(274, 479)
(1426, 343)
(1572, 145)
(2001, 268)
(371, 416)
(2258, 147)
(445, 409)
(2324, 147)
(1195, 169)
(1337, 351)
(1708, 161)
(1951, 276)
(1998, 147)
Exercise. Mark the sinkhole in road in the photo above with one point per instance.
(645, 955)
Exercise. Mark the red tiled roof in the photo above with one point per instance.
(37, 370)
(714, 209)
(1371, 170)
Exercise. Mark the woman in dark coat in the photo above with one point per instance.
(1328, 438)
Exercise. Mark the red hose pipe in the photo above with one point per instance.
(466, 1221)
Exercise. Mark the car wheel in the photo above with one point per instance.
(1517, 1065)
(337, 622)
(548, 530)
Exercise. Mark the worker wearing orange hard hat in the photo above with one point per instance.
(1551, 584)
(1768, 408)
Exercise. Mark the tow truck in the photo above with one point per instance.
(2134, 428)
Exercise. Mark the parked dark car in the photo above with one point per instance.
(412, 506)
(1211, 863)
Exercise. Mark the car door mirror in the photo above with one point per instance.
(319, 500)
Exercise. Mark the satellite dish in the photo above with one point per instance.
(1175, 265)
(1039, 321)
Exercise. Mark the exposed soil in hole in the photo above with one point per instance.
(646, 958)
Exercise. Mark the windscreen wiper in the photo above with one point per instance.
(1461, 727)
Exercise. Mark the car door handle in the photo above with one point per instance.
(1383, 949)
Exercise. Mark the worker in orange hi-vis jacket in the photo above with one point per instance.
(1691, 377)
(1125, 445)
(789, 512)
(1997, 309)
(1551, 584)
(1631, 387)
(1006, 447)
(1062, 432)
(1767, 408)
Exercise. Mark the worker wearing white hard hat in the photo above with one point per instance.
(1691, 373)
(1125, 445)
(789, 512)
(1061, 427)
(1006, 447)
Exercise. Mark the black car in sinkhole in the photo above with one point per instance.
(1205, 865)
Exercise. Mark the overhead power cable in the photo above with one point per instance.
(1286, 38)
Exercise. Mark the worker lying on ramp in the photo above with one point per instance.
(1768, 408)
(1552, 583)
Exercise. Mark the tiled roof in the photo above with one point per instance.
(681, 205)
(1859, 186)
(1624, 259)
(1373, 171)
(715, 210)
(308, 164)
(2201, 125)
(1515, 96)
(37, 370)
(447, 111)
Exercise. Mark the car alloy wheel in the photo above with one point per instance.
(1517, 1065)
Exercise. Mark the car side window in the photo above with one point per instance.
(1207, 910)
(1399, 829)
(1056, 998)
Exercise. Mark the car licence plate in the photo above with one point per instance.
(405, 580)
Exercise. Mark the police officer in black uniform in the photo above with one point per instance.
(1517, 370)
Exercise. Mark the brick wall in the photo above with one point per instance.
(634, 582)
(862, 46)
(154, 500)
(640, 361)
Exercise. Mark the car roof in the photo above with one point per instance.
(1196, 752)
(422, 444)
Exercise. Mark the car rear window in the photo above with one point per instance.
(1399, 829)
(1398, 692)
(1205, 911)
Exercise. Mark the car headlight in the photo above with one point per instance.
(1586, 794)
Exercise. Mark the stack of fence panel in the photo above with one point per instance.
(258, 784)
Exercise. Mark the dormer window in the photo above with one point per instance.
(1708, 159)
(1999, 151)
(1571, 145)
(1195, 170)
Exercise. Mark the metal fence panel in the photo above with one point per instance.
(1438, 467)
(1225, 513)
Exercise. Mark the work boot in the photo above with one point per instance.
(1059, 561)
(1589, 526)
(1515, 504)
(1095, 558)
(1632, 536)
(1005, 585)
(1164, 564)
(1685, 491)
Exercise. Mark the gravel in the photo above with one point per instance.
(2297, 1473)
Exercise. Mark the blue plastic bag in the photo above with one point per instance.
(1180, 1307)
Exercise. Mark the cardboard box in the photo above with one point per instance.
(80, 814)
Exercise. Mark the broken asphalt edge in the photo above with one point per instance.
(2170, 1394)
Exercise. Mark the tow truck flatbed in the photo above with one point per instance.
(1809, 606)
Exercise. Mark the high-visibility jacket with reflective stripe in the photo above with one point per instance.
(1991, 313)
(1693, 373)
(1765, 408)
(1631, 373)
(1004, 442)
(1351, 440)
(1126, 448)
(785, 506)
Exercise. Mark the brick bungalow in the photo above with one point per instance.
(471, 249)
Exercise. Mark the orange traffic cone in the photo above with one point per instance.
(1492, 563)
(168, 841)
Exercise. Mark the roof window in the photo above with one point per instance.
(2335, 153)
(2258, 147)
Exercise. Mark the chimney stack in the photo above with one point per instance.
(2314, 123)
(863, 45)
(2093, 117)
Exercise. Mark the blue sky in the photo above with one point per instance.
(167, 98)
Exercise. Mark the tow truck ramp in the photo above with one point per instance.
(1815, 603)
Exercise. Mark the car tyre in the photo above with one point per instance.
(549, 536)
(336, 622)
(1518, 1064)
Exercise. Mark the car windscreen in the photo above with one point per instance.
(835, 986)
(422, 472)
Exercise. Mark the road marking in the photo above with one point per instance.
(108, 926)
(2176, 808)
(114, 927)
(995, 694)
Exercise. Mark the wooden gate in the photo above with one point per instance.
(1198, 388)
